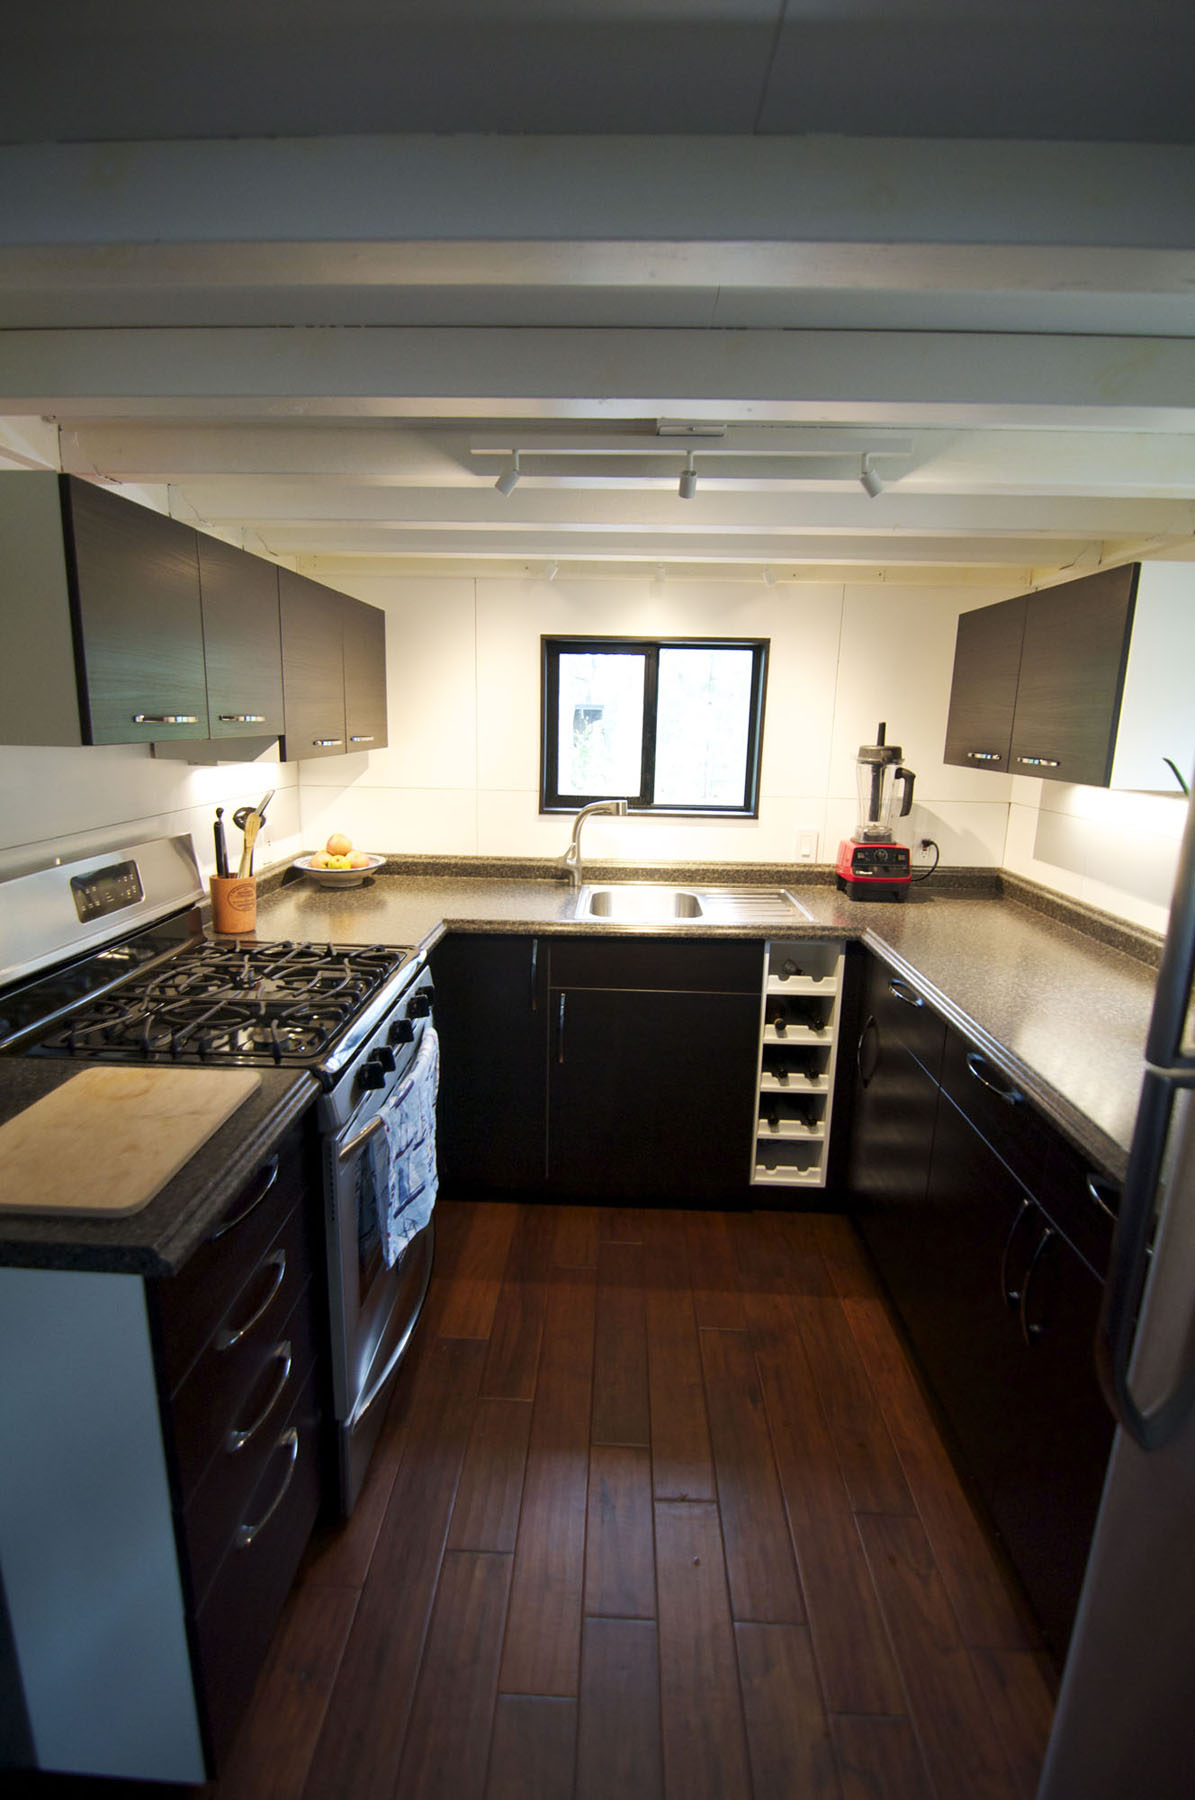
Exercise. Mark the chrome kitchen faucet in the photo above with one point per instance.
(571, 859)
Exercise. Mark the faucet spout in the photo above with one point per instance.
(571, 860)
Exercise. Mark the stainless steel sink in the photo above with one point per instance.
(661, 903)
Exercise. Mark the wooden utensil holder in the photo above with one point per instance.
(234, 904)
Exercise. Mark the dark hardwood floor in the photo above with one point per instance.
(660, 1512)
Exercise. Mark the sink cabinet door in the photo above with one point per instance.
(491, 1018)
(651, 1093)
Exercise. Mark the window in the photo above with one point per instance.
(674, 724)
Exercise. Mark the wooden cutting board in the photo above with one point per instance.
(106, 1141)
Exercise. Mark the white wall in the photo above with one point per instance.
(460, 773)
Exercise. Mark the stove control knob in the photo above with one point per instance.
(372, 1075)
(402, 1032)
(385, 1059)
(421, 1003)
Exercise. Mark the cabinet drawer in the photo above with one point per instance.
(1081, 1202)
(192, 1303)
(997, 1109)
(223, 1498)
(236, 1622)
(904, 1016)
(210, 1400)
(662, 965)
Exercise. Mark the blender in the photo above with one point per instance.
(872, 865)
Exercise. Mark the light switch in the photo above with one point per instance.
(807, 846)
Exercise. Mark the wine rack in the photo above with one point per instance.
(797, 1045)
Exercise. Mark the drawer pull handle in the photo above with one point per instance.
(988, 756)
(980, 1068)
(165, 718)
(1040, 762)
(231, 1335)
(246, 1533)
(1032, 1329)
(1010, 1295)
(239, 1436)
(325, 743)
(900, 990)
(870, 1035)
(1106, 1194)
(242, 718)
(266, 1176)
(362, 739)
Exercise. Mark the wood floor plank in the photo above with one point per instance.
(620, 1571)
(788, 1735)
(485, 1515)
(518, 1321)
(618, 1742)
(682, 1463)
(849, 1636)
(759, 1553)
(575, 1237)
(1020, 1701)
(703, 1732)
(359, 1748)
(620, 1397)
(620, 1224)
(448, 1742)
(534, 1747)
(271, 1755)
(712, 1274)
(879, 1759)
(543, 1634)
(472, 1283)
(959, 1741)
(991, 1614)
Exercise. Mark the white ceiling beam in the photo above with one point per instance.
(860, 377)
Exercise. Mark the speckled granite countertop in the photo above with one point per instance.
(1062, 1012)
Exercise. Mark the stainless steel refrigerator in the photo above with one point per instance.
(1125, 1722)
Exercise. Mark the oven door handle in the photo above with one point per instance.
(349, 1150)
(377, 1385)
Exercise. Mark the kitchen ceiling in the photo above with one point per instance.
(273, 272)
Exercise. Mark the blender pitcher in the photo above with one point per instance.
(871, 865)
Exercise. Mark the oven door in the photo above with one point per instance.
(373, 1308)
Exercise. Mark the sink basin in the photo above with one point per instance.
(660, 903)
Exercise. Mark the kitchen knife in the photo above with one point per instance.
(221, 846)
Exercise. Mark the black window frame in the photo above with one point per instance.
(553, 646)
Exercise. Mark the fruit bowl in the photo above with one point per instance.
(338, 878)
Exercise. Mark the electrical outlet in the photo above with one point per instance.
(807, 846)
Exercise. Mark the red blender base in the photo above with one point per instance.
(872, 871)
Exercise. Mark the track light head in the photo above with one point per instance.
(769, 576)
(508, 481)
(551, 572)
(869, 481)
(687, 486)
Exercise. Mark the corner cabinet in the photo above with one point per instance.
(798, 1038)
(126, 627)
(1083, 682)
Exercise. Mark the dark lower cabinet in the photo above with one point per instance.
(982, 1224)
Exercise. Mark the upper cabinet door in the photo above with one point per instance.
(312, 667)
(242, 643)
(134, 579)
(983, 694)
(364, 675)
(1073, 662)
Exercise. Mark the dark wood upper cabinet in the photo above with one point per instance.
(364, 675)
(983, 694)
(134, 587)
(312, 668)
(241, 639)
(1073, 662)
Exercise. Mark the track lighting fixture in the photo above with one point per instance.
(551, 572)
(661, 572)
(869, 481)
(769, 576)
(509, 478)
(687, 485)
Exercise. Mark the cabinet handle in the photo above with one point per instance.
(240, 1435)
(560, 1030)
(364, 739)
(266, 1176)
(865, 1075)
(977, 1064)
(242, 718)
(1012, 1296)
(1105, 1193)
(1040, 762)
(325, 743)
(1031, 1329)
(900, 990)
(534, 972)
(165, 718)
(988, 756)
(231, 1335)
(246, 1533)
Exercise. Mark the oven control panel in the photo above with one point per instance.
(103, 891)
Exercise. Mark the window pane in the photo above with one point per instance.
(702, 728)
(601, 724)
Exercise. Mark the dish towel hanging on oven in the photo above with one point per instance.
(409, 1127)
